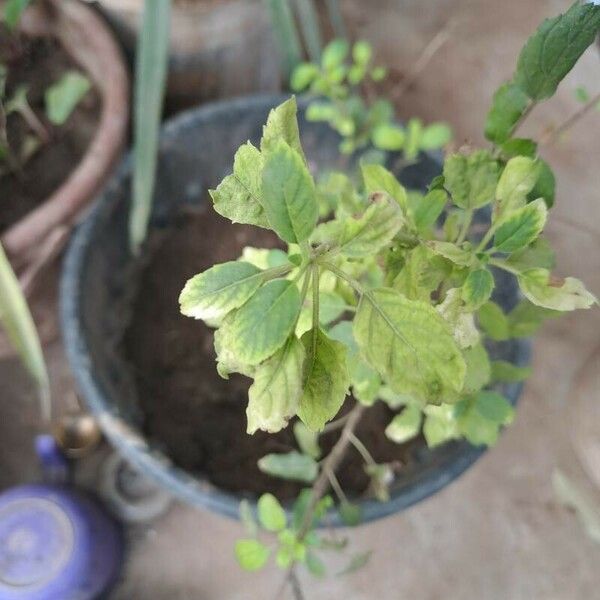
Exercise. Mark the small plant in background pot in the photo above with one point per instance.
(383, 294)
(344, 83)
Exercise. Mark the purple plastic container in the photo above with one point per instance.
(56, 544)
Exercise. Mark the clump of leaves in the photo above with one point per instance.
(384, 293)
(337, 82)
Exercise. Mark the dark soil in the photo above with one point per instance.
(38, 63)
(194, 415)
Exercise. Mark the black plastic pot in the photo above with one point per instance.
(99, 284)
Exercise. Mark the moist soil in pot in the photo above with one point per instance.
(192, 414)
(38, 63)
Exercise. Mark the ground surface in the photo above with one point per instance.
(498, 533)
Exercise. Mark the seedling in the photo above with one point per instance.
(383, 294)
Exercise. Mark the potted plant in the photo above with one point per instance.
(64, 118)
(372, 329)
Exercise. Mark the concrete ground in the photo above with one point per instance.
(499, 532)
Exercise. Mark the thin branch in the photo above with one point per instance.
(330, 464)
(362, 450)
(337, 488)
(334, 425)
(553, 136)
(427, 54)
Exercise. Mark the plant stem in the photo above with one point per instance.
(554, 135)
(465, 226)
(311, 32)
(337, 488)
(362, 450)
(333, 425)
(315, 295)
(336, 18)
(349, 280)
(504, 266)
(486, 238)
(330, 465)
(523, 118)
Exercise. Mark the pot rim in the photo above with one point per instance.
(91, 44)
(197, 492)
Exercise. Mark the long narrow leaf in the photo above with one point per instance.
(286, 34)
(337, 19)
(150, 77)
(18, 324)
(311, 31)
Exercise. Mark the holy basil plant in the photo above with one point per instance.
(384, 294)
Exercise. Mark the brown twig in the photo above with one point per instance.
(554, 135)
(427, 54)
(330, 465)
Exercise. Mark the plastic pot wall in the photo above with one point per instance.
(100, 279)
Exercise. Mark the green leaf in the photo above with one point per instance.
(20, 329)
(367, 235)
(358, 561)
(150, 79)
(409, 344)
(508, 106)
(414, 130)
(261, 326)
(477, 288)
(13, 9)
(517, 180)
(537, 254)
(293, 466)
(521, 227)
(493, 321)
(482, 416)
(378, 179)
(307, 440)
(326, 379)
(471, 180)
(555, 48)
(219, 290)
(362, 52)
(273, 396)
(303, 75)
(320, 111)
(405, 426)
(388, 136)
(427, 211)
(62, 97)
(507, 372)
(238, 196)
(545, 186)
(270, 513)
(289, 196)
(478, 368)
(350, 513)
(282, 126)
(315, 565)
(526, 318)
(519, 147)
(301, 505)
(365, 381)
(435, 136)
(452, 252)
(421, 274)
(557, 294)
(252, 555)
(581, 94)
(440, 424)
(334, 54)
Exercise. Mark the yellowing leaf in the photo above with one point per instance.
(238, 196)
(262, 325)
(288, 194)
(219, 290)
(452, 252)
(471, 180)
(273, 397)
(521, 227)
(405, 426)
(517, 180)
(326, 379)
(270, 513)
(410, 345)
(378, 179)
(477, 288)
(565, 294)
(251, 554)
(292, 465)
(282, 125)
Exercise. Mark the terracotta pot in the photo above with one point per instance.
(34, 241)
(219, 48)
